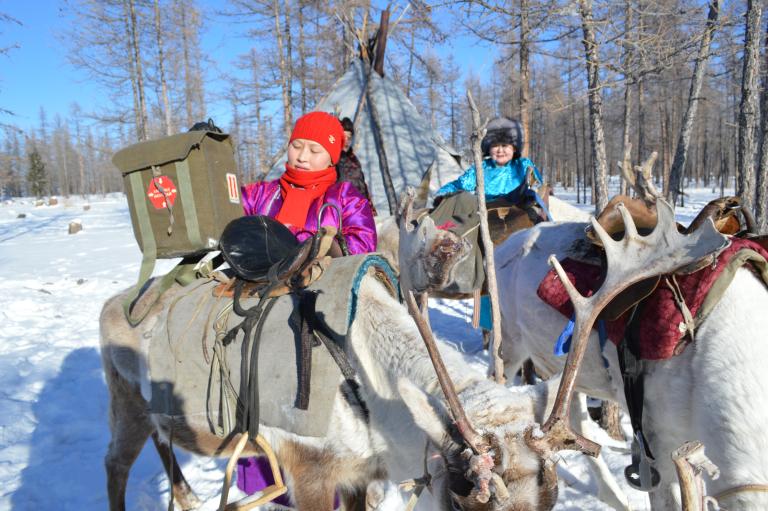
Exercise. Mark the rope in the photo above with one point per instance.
(677, 295)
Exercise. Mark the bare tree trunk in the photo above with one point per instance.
(761, 179)
(525, 78)
(681, 153)
(641, 144)
(666, 152)
(261, 144)
(628, 83)
(187, 65)
(167, 128)
(302, 59)
(597, 137)
(627, 144)
(137, 84)
(642, 147)
(285, 72)
(745, 167)
(723, 157)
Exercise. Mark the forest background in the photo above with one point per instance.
(595, 83)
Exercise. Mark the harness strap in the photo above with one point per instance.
(308, 302)
(744, 488)
(640, 473)
(304, 358)
(252, 401)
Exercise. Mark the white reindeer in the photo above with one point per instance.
(714, 392)
(405, 427)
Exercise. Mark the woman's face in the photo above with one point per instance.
(305, 154)
(347, 140)
(502, 153)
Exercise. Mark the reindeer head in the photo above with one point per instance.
(504, 471)
(430, 258)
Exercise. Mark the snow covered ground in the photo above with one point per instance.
(53, 400)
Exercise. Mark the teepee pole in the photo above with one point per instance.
(478, 132)
(377, 65)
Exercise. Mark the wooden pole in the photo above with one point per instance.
(381, 43)
(478, 132)
(389, 187)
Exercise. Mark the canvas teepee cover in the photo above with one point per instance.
(412, 147)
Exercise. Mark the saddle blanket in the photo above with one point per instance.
(701, 290)
(195, 378)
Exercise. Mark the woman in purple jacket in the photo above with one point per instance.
(309, 181)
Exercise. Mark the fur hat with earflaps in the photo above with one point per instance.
(502, 131)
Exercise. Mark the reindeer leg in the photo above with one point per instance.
(608, 489)
(354, 500)
(317, 495)
(182, 493)
(130, 429)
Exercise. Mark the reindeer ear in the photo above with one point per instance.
(428, 413)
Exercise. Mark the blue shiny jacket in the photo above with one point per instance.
(499, 179)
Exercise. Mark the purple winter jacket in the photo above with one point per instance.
(358, 227)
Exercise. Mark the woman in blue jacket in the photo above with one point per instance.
(507, 174)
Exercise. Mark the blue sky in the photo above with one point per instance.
(38, 74)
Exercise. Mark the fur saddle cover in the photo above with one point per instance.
(194, 377)
(701, 290)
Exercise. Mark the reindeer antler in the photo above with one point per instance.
(467, 431)
(630, 260)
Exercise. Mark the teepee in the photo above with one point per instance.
(412, 149)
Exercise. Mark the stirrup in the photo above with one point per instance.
(641, 475)
(257, 499)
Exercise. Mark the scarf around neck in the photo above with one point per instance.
(299, 188)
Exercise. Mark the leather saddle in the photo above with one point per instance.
(723, 211)
(264, 254)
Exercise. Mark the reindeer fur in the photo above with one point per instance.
(406, 414)
(714, 392)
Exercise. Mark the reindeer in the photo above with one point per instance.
(713, 392)
(480, 452)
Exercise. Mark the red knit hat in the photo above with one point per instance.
(323, 128)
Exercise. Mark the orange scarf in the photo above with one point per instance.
(299, 188)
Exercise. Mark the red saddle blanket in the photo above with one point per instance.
(662, 331)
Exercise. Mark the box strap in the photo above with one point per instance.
(148, 245)
(188, 203)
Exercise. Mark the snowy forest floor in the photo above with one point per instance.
(53, 400)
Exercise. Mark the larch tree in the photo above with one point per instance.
(748, 113)
(683, 141)
(761, 177)
(595, 96)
